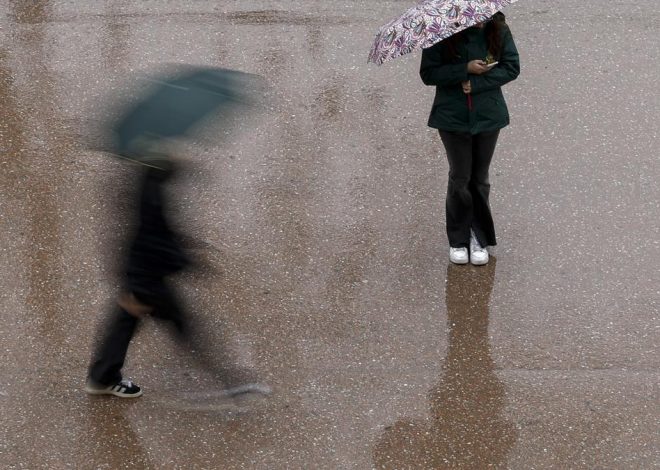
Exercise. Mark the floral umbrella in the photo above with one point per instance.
(428, 23)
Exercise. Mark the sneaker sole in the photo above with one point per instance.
(459, 261)
(96, 391)
(479, 263)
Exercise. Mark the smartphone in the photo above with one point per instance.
(491, 65)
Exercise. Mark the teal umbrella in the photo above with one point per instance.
(174, 104)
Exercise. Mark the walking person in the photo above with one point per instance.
(155, 254)
(176, 103)
(468, 70)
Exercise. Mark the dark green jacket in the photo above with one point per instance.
(450, 110)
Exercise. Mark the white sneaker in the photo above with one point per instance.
(478, 254)
(458, 255)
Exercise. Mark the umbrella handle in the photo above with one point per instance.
(469, 98)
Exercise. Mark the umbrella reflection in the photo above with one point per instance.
(467, 428)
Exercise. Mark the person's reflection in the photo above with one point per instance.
(468, 429)
(110, 441)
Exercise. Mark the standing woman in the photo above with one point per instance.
(468, 70)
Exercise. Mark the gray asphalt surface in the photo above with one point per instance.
(320, 223)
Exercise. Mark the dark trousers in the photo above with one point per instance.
(115, 337)
(116, 334)
(468, 187)
(110, 355)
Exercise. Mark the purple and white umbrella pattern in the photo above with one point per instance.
(428, 23)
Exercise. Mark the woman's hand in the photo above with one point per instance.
(477, 67)
(467, 87)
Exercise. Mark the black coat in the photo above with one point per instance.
(155, 252)
(450, 110)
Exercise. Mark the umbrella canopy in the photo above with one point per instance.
(177, 103)
(428, 23)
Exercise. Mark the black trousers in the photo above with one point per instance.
(468, 187)
(110, 354)
(116, 334)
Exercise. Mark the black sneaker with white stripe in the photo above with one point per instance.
(123, 389)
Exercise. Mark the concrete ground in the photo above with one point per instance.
(320, 224)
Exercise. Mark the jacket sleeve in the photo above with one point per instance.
(434, 72)
(505, 71)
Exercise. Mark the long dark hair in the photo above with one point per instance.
(493, 31)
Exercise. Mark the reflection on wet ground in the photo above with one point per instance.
(319, 224)
(467, 427)
(110, 428)
(37, 180)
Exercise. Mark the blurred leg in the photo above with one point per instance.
(110, 355)
(191, 336)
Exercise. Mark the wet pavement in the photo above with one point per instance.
(320, 223)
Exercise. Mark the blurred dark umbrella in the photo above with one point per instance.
(177, 103)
